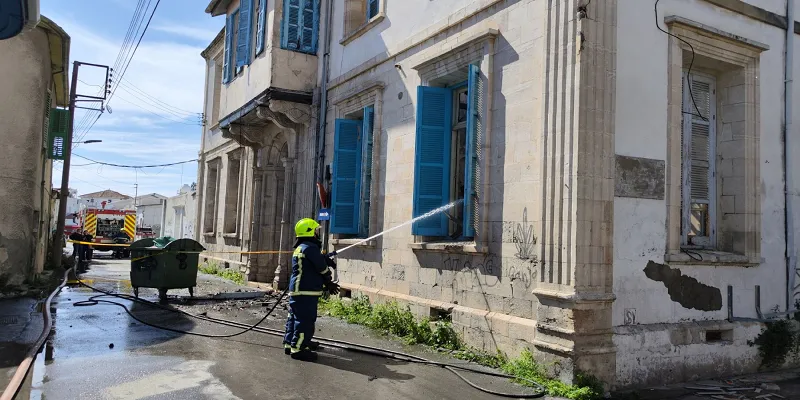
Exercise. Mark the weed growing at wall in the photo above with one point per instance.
(213, 268)
(392, 319)
(776, 342)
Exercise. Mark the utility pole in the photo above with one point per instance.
(57, 251)
(58, 238)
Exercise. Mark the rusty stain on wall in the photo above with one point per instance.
(685, 290)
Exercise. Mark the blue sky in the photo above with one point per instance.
(154, 111)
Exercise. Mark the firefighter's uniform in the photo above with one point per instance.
(311, 277)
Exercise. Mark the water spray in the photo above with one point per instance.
(421, 217)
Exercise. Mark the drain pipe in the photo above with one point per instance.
(323, 113)
(791, 259)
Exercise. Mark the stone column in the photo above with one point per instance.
(287, 227)
(574, 288)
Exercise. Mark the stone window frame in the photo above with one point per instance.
(215, 164)
(351, 33)
(436, 64)
(235, 156)
(743, 55)
(370, 94)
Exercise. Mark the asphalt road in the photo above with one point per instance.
(99, 352)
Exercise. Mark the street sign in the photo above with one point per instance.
(324, 215)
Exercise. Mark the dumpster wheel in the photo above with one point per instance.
(541, 391)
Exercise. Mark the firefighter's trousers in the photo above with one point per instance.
(300, 323)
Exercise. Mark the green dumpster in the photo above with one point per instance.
(164, 264)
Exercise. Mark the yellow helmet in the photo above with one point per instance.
(305, 227)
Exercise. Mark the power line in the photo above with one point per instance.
(129, 84)
(186, 122)
(125, 68)
(181, 116)
(135, 166)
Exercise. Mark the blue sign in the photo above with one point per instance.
(324, 215)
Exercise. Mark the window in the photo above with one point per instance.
(352, 173)
(216, 95)
(449, 130)
(300, 24)
(698, 137)
(232, 191)
(242, 31)
(210, 206)
(358, 15)
(261, 24)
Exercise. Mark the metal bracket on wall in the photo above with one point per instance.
(761, 316)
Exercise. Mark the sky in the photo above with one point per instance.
(153, 115)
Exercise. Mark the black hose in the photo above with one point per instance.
(541, 391)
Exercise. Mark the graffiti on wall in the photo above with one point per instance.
(524, 239)
(469, 272)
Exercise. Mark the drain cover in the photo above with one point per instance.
(8, 320)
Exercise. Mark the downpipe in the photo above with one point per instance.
(319, 171)
(791, 258)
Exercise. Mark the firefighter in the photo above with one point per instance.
(311, 277)
(87, 249)
(77, 248)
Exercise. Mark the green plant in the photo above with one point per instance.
(212, 268)
(776, 342)
(392, 319)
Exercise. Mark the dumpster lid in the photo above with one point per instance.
(142, 243)
(184, 244)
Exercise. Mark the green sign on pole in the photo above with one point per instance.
(57, 137)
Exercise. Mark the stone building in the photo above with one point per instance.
(615, 174)
(34, 67)
(259, 91)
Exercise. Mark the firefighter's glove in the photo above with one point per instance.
(332, 288)
(329, 261)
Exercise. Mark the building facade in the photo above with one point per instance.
(34, 67)
(181, 211)
(606, 186)
(261, 73)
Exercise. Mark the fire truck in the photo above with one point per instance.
(108, 226)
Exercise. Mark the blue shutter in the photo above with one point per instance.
(366, 170)
(226, 58)
(261, 28)
(245, 22)
(372, 9)
(346, 176)
(474, 139)
(432, 163)
(291, 24)
(308, 36)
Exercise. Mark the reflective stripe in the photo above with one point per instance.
(305, 293)
(327, 270)
(298, 252)
(299, 345)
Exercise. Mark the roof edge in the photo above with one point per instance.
(213, 43)
(59, 42)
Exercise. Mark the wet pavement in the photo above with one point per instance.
(100, 352)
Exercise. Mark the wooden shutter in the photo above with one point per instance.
(46, 120)
(226, 58)
(372, 9)
(57, 137)
(432, 163)
(474, 140)
(698, 151)
(366, 170)
(262, 25)
(243, 40)
(308, 35)
(291, 24)
(346, 176)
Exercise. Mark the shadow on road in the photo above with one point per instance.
(371, 367)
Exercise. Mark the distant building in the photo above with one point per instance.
(181, 210)
(34, 68)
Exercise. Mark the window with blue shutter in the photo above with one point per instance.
(347, 149)
(366, 170)
(243, 39)
(227, 70)
(432, 163)
(300, 25)
(474, 138)
(372, 8)
(261, 26)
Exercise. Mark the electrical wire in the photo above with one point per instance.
(125, 68)
(541, 391)
(157, 106)
(129, 84)
(185, 122)
(134, 166)
(688, 71)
